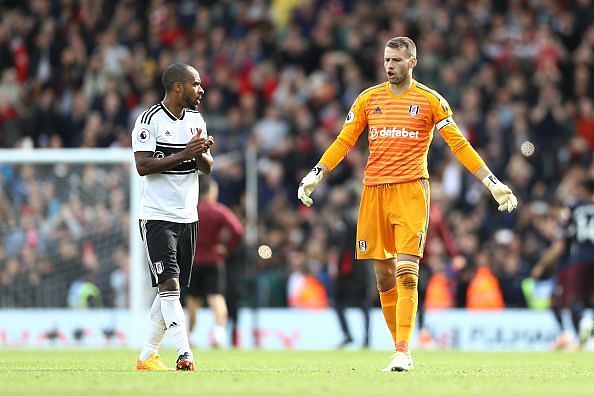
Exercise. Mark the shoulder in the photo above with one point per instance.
(219, 207)
(147, 116)
(378, 88)
(194, 115)
(433, 96)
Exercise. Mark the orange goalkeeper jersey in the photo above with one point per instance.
(399, 130)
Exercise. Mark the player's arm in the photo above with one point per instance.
(471, 160)
(550, 256)
(354, 124)
(147, 164)
(234, 226)
(204, 160)
(558, 246)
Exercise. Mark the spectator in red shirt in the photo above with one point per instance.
(220, 232)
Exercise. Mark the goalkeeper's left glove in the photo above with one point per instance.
(502, 193)
(308, 184)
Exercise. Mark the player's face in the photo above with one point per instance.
(192, 91)
(398, 63)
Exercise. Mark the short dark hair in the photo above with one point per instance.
(403, 42)
(177, 72)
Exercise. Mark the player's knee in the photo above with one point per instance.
(171, 284)
(385, 283)
(385, 276)
(408, 281)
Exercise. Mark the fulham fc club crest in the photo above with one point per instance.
(362, 245)
(413, 110)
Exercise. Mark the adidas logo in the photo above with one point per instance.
(167, 133)
(173, 324)
(377, 110)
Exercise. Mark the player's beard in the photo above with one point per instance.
(188, 101)
(399, 79)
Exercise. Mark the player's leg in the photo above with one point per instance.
(407, 275)
(232, 276)
(339, 308)
(149, 358)
(218, 305)
(193, 307)
(407, 279)
(385, 275)
(560, 301)
(587, 323)
(410, 242)
(214, 289)
(362, 298)
(182, 239)
(174, 317)
(412, 231)
(195, 297)
(376, 243)
(365, 308)
(149, 355)
(582, 282)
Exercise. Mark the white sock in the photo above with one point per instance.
(175, 322)
(155, 331)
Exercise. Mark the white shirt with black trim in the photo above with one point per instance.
(170, 195)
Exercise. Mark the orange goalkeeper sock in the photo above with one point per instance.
(407, 277)
(388, 300)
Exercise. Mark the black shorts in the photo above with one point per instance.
(170, 249)
(207, 279)
(574, 283)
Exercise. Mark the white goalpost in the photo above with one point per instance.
(16, 158)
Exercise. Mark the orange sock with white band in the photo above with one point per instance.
(407, 279)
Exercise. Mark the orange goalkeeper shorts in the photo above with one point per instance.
(393, 218)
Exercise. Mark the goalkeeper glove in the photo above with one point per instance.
(502, 193)
(308, 184)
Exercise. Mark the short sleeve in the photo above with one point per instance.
(356, 119)
(144, 136)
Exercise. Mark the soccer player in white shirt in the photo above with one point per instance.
(170, 144)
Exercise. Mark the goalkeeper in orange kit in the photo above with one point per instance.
(401, 115)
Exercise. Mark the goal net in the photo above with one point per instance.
(67, 234)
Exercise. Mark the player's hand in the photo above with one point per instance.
(502, 193)
(208, 144)
(195, 146)
(308, 184)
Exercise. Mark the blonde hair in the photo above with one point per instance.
(403, 42)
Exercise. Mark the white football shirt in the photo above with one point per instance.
(170, 195)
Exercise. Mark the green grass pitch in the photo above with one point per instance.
(111, 372)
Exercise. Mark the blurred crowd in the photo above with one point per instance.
(64, 235)
(280, 76)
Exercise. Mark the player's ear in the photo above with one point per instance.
(412, 62)
(178, 87)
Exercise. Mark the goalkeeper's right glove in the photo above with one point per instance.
(502, 193)
(308, 184)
